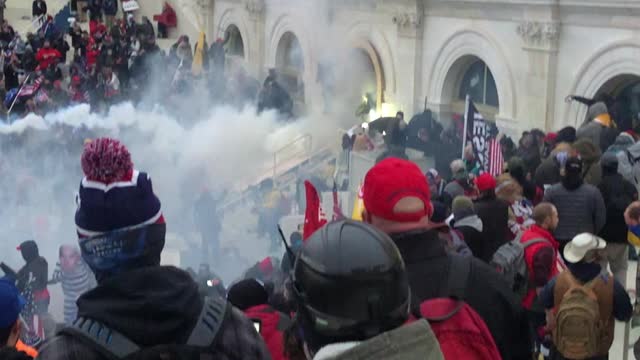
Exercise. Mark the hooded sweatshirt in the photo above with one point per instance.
(36, 268)
(155, 305)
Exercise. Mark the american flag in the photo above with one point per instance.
(496, 160)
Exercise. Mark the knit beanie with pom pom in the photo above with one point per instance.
(119, 219)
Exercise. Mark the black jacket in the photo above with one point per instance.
(38, 8)
(154, 306)
(495, 216)
(487, 293)
(617, 194)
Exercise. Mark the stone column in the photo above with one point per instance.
(540, 42)
(408, 58)
(256, 57)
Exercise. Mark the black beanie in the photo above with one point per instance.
(247, 293)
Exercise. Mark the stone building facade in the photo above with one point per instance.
(518, 59)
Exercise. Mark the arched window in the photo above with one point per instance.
(478, 83)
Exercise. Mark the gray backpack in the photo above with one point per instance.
(510, 262)
(115, 346)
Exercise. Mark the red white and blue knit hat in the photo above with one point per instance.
(113, 195)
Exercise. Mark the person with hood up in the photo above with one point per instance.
(617, 194)
(583, 255)
(76, 279)
(398, 202)
(460, 185)
(520, 208)
(251, 297)
(468, 224)
(494, 213)
(599, 128)
(32, 276)
(580, 206)
(355, 307)
(590, 154)
(121, 233)
(623, 142)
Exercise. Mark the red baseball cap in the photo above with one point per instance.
(388, 182)
(485, 182)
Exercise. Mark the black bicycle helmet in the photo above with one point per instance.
(349, 283)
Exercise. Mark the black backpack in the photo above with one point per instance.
(115, 346)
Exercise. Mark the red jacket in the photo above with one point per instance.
(273, 324)
(543, 263)
(45, 57)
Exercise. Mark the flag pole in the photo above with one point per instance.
(464, 128)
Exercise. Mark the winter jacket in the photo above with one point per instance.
(38, 7)
(110, 7)
(470, 228)
(627, 162)
(427, 265)
(494, 213)
(272, 326)
(46, 57)
(600, 135)
(153, 306)
(590, 153)
(548, 173)
(541, 259)
(580, 210)
(415, 341)
(36, 268)
(623, 142)
(617, 194)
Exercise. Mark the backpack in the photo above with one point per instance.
(115, 346)
(457, 245)
(461, 332)
(509, 260)
(578, 328)
(631, 166)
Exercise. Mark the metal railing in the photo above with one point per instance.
(304, 141)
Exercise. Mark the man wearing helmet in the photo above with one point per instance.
(352, 296)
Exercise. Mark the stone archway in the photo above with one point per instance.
(459, 52)
(610, 69)
(622, 96)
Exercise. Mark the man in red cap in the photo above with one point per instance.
(494, 213)
(397, 201)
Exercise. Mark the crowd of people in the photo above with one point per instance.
(454, 263)
(477, 267)
(118, 60)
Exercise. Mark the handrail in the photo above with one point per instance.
(34, 22)
(305, 151)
